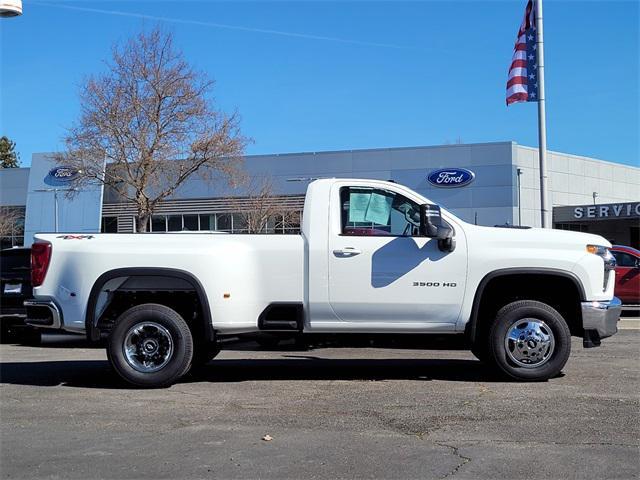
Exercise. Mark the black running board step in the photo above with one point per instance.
(282, 317)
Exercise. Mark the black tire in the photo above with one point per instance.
(550, 323)
(161, 323)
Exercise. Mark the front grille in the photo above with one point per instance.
(609, 272)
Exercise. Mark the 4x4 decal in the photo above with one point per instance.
(75, 237)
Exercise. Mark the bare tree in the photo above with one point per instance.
(264, 210)
(150, 120)
(9, 221)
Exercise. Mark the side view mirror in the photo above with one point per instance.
(431, 226)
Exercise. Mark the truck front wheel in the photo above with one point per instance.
(150, 346)
(529, 340)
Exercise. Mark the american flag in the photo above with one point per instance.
(522, 85)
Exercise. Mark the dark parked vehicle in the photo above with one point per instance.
(627, 274)
(15, 288)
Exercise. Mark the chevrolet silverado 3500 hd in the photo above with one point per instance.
(373, 257)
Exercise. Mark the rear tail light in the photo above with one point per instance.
(40, 257)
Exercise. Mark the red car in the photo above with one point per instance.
(627, 274)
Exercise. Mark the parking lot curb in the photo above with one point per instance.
(629, 324)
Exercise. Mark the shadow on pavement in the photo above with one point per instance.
(307, 367)
(310, 342)
(98, 373)
(59, 340)
(77, 373)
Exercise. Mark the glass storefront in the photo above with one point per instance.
(286, 223)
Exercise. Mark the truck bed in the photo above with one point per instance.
(240, 273)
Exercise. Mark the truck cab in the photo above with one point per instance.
(372, 265)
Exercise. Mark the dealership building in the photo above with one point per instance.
(500, 187)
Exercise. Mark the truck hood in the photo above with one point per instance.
(537, 237)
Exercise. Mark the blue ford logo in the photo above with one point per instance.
(59, 176)
(451, 177)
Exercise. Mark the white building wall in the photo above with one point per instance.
(572, 181)
(13, 186)
(491, 196)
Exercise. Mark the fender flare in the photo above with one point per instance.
(473, 321)
(93, 333)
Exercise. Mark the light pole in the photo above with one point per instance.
(594, 195)
(519, 171)
(55, 200)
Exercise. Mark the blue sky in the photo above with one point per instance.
(345, 75)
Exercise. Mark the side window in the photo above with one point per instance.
(378, 212)
(624, 259)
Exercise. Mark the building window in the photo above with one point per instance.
(574, 227)
(285, 223)
(11, 226)
(223, 222)
(288, 223)
(207, 222)
(239, 223)
(158, 223)
(174, 223)
(190, 222)
(109, 225)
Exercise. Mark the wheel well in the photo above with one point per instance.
(118, 290)
(561, 292)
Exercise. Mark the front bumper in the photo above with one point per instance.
(600, 319)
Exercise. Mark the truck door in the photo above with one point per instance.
(382, 271)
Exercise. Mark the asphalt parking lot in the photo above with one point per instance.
(332, 413)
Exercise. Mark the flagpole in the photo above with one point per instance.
(542, 123)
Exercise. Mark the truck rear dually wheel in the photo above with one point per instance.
(529, 340)
(150, 346)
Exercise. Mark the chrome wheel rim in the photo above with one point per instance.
(529, 343)
(148, 347)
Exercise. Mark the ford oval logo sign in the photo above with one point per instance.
(451, 177)
(59, 176)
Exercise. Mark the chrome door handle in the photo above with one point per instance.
(347, 252)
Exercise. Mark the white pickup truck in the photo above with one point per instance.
(373, 257)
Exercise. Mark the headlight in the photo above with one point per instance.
(608, 259)
(604, 253)
(598, 250)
